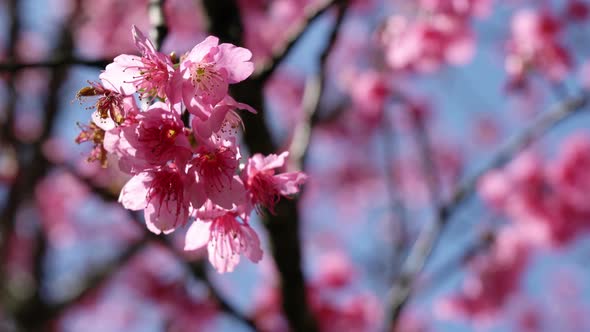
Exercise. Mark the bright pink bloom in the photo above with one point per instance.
(264, 186)
(215, 163)
(225, 238)
(220, 119)
(208, 69)
(158, 136)
(149, 74)
(165, 194)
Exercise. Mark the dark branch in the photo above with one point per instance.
(402, 289)
(314, 89)
(157, 18)
(267, 69)
(199, 270)
(33, 167)
(283, 228)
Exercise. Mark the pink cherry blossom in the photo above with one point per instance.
(215, 163)
(165, 194)
(266, 187)
(158, 136)
(220, 119)
(226, 239)
(208, 69)
(148, 74)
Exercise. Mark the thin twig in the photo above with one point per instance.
(199, 270)
(398, 210)
(266, 70)
(312, 96)
(400, 292)
(430, 169)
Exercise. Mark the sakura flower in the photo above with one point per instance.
(208, 69)
(215, 164)
(158, 136)
(149, 74)
(165, 194)
(220, 119)
(225, 238)
(266, 187)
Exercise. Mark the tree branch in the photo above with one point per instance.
(33, 167)
(265, 71)
(400, 292)
(312, 96)
(283, 228)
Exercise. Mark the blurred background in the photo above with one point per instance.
(447, 144)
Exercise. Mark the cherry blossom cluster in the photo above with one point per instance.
(547, 207)
(181, 172)
(549, 200)
(440, 34)
(535, 45)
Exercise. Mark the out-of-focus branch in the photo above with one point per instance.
(159, 28)
(92, 283)
(33, 167)
(266, 70)
(451, 265)
(224, 20)
(398, 210)
(430, 169)
(283, 228)
(314, 89)
(199, 270)
(12, 66)
(6, 130)
(402, 289)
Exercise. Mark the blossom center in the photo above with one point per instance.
(206, 78)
